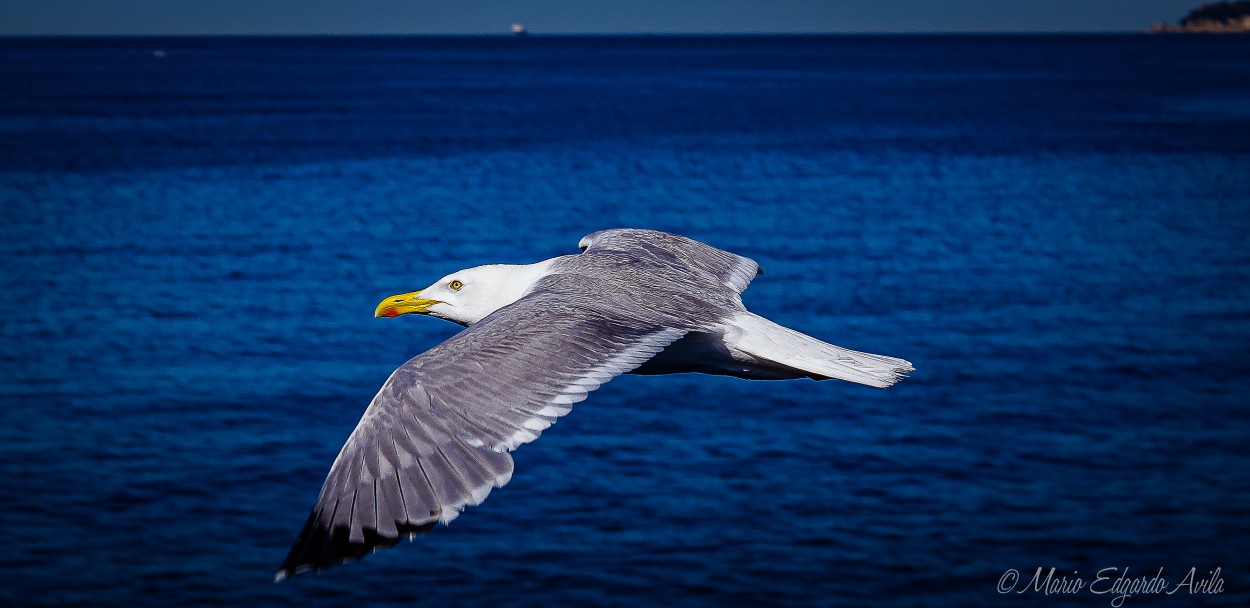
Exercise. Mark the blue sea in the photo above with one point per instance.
(1053, 229)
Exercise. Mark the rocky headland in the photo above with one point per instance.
(1213, 18)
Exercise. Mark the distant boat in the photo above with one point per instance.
(519, 30)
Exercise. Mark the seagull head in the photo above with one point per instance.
(466, 296)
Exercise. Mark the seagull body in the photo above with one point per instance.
(539, 338)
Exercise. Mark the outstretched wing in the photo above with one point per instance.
(732, 270)
(437, 435)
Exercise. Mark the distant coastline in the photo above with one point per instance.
(1217, 18)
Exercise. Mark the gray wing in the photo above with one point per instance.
(437, 435)
(732, 270)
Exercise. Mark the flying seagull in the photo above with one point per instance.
(540, 337)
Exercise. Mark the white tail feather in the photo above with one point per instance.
(759, 338)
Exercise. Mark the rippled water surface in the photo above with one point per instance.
(1053, 229)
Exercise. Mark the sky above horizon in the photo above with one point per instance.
(256, 17)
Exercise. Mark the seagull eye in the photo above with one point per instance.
(455, 285)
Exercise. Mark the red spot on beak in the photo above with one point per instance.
(390, 312)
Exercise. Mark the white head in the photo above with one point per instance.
(467, 296)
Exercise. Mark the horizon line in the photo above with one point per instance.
(509, 35)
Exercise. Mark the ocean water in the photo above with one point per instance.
(1052, 228)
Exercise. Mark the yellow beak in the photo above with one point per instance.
(402, 304)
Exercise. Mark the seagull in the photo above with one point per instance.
(539, 338)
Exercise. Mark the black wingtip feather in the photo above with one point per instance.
(318, 547)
